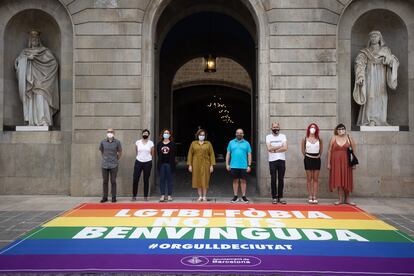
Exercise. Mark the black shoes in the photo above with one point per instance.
(105, 199)
(236, 199)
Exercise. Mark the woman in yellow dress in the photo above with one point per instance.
(200, 161)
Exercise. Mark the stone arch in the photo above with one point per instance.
(52, 17)
(354, 20)
(257, 10)
(230, 74)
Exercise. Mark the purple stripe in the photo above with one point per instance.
(172, 263)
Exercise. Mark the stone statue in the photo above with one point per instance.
(37, 74)
(375, 69)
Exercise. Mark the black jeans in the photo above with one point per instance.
(138, 168)
(166, 178)
(277, 170)
(105, 174)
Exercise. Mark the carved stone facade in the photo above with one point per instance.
(109, 77)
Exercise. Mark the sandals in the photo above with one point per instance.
(338, 202)
(351, 203)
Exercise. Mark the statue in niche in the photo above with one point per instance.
(37, 75)
(375, 69)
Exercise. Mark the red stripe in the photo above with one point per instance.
(222, 206)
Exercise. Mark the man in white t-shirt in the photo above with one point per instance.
(277, 146)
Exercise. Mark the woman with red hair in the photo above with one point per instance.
(312, 147)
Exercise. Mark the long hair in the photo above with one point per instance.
(339, 126)
(162, 132)
(316, 132)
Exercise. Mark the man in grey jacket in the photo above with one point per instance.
(111, 153)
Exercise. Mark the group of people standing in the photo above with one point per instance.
(201, 161)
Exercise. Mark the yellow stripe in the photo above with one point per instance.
(220, 222)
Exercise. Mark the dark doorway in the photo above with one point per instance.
(217, 109)
(221, 28)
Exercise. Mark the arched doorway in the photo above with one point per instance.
(160, 19)
(185, 110)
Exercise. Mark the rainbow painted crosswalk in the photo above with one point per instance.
(213, 238)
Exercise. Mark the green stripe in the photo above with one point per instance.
(370, 235)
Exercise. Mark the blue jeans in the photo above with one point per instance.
(166, 178)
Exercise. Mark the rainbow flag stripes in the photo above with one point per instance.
(213, 238)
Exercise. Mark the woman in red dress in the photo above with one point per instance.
(340, 173)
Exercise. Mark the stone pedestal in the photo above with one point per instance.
(32, 128)
(380, 128)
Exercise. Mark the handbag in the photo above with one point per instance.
(352, 159)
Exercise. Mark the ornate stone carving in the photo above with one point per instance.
(37, 75)
(375, 69)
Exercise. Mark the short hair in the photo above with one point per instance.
(199, 131)
(164, 130)
(338, 126)
(146, 130)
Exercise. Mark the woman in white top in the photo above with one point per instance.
(144, 149)
(312, 150)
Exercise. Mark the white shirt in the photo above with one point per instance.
(312, 147)
(144, 150)
(276, 141)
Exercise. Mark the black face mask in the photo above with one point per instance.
(145, 137)
(275, 130)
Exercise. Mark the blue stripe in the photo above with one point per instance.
(132, 246)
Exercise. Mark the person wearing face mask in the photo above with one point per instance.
(276, 143)
(311, 147)
(340, 173)
(200, 161)
(144, 149)
(111, 151)
(166, 163)
(238, 162)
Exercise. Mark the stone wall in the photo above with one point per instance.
(304, 76)
(107, 87)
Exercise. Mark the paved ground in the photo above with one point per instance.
(19, 214)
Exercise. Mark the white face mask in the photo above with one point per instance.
(201, 137)
(110, 135)
(312, 130)
(166, 135)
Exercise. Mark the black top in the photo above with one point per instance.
(166, 153)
